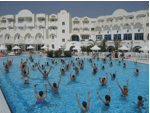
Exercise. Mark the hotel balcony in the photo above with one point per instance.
(107, 23)
(140, 20)
(40, 23)
(10, 24)
(53, 32)
(3, 25)
(76, 26)
(147, 20)
(53, 23)
(85, 32)
(119, 22)
(93, 25)
(40, 16)
(85, 25)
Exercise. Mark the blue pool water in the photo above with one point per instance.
(22, 99)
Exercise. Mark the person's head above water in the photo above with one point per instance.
(125, 87)
(45, 71)
(73, 76)
(140, 98)
(103, 79)
(54, 85)
(32, 65)
(114, 75)
(84, 104)
(94, 70)
(137, 70)
(47, 62)
(103, 67)
(110, 62)
(62, 69)
(42, 65)
(41, 93)
(107, 97)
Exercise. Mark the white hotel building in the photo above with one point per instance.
(26, 29)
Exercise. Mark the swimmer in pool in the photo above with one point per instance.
(111, 63)
(7, 68)
(36, 64)
(76, 69)
(62, 70)
(124, 64)
(140, 101)
(55, 86)
(81, 65)
(104, 81)
(135, 62)
(104, 60)
(43, 66)
(30, 56)
(40, 99)
(45, 75)
(94, 71)
(89, 60)
(22, 67)
(57, 62)
(9, 62)
(119, 61)
(85, 107)
(47, 64)
(32, 67)
(137, 71)
(67, 66)
(125, 88)
(113, 76)
(25, 81)
(24, 73)
(107, 98)
(73, 77)
(102, 67)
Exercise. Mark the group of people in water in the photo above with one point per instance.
(66, 66)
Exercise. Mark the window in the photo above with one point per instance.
(147, 24)
(18, 37)
(108, 37)
(98, 37)
(93, 22)
(139, 30)
(117, 36)
(127, 30)
(127, 36)
(85, 37)
(53, 46)
(52, 37)
(99, 32)
(107, 31)
(92, 29)
(63, 23)
(63, 31)
(138, 36)
(63, 40)
(130, 17)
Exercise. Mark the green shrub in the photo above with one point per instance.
(49, 53)
(67, 53)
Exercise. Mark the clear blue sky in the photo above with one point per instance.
(92, 9)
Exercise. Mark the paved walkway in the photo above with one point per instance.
(3, 106)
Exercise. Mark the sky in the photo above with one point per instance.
(92, 9)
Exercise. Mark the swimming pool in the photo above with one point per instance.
(21, 97)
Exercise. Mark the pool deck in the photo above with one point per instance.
(4, 108)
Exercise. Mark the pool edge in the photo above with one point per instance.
(4, 102)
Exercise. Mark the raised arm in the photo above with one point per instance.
(60, 67)
(100, 96)
(100, 79)
(49, 83)
(70, 74)
(127, 83)
(88, 100)
(35, 91)
(40, 70)
(110, 74)
(120, 86)
(79, 102)
(59, 81)
(49, 70)
(109, 93)
(45, 90)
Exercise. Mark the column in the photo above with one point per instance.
(111, 33)
(121, 27)
(132, 32)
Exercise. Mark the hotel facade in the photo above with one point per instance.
(26, 28)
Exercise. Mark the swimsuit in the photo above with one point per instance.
(41, 101)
